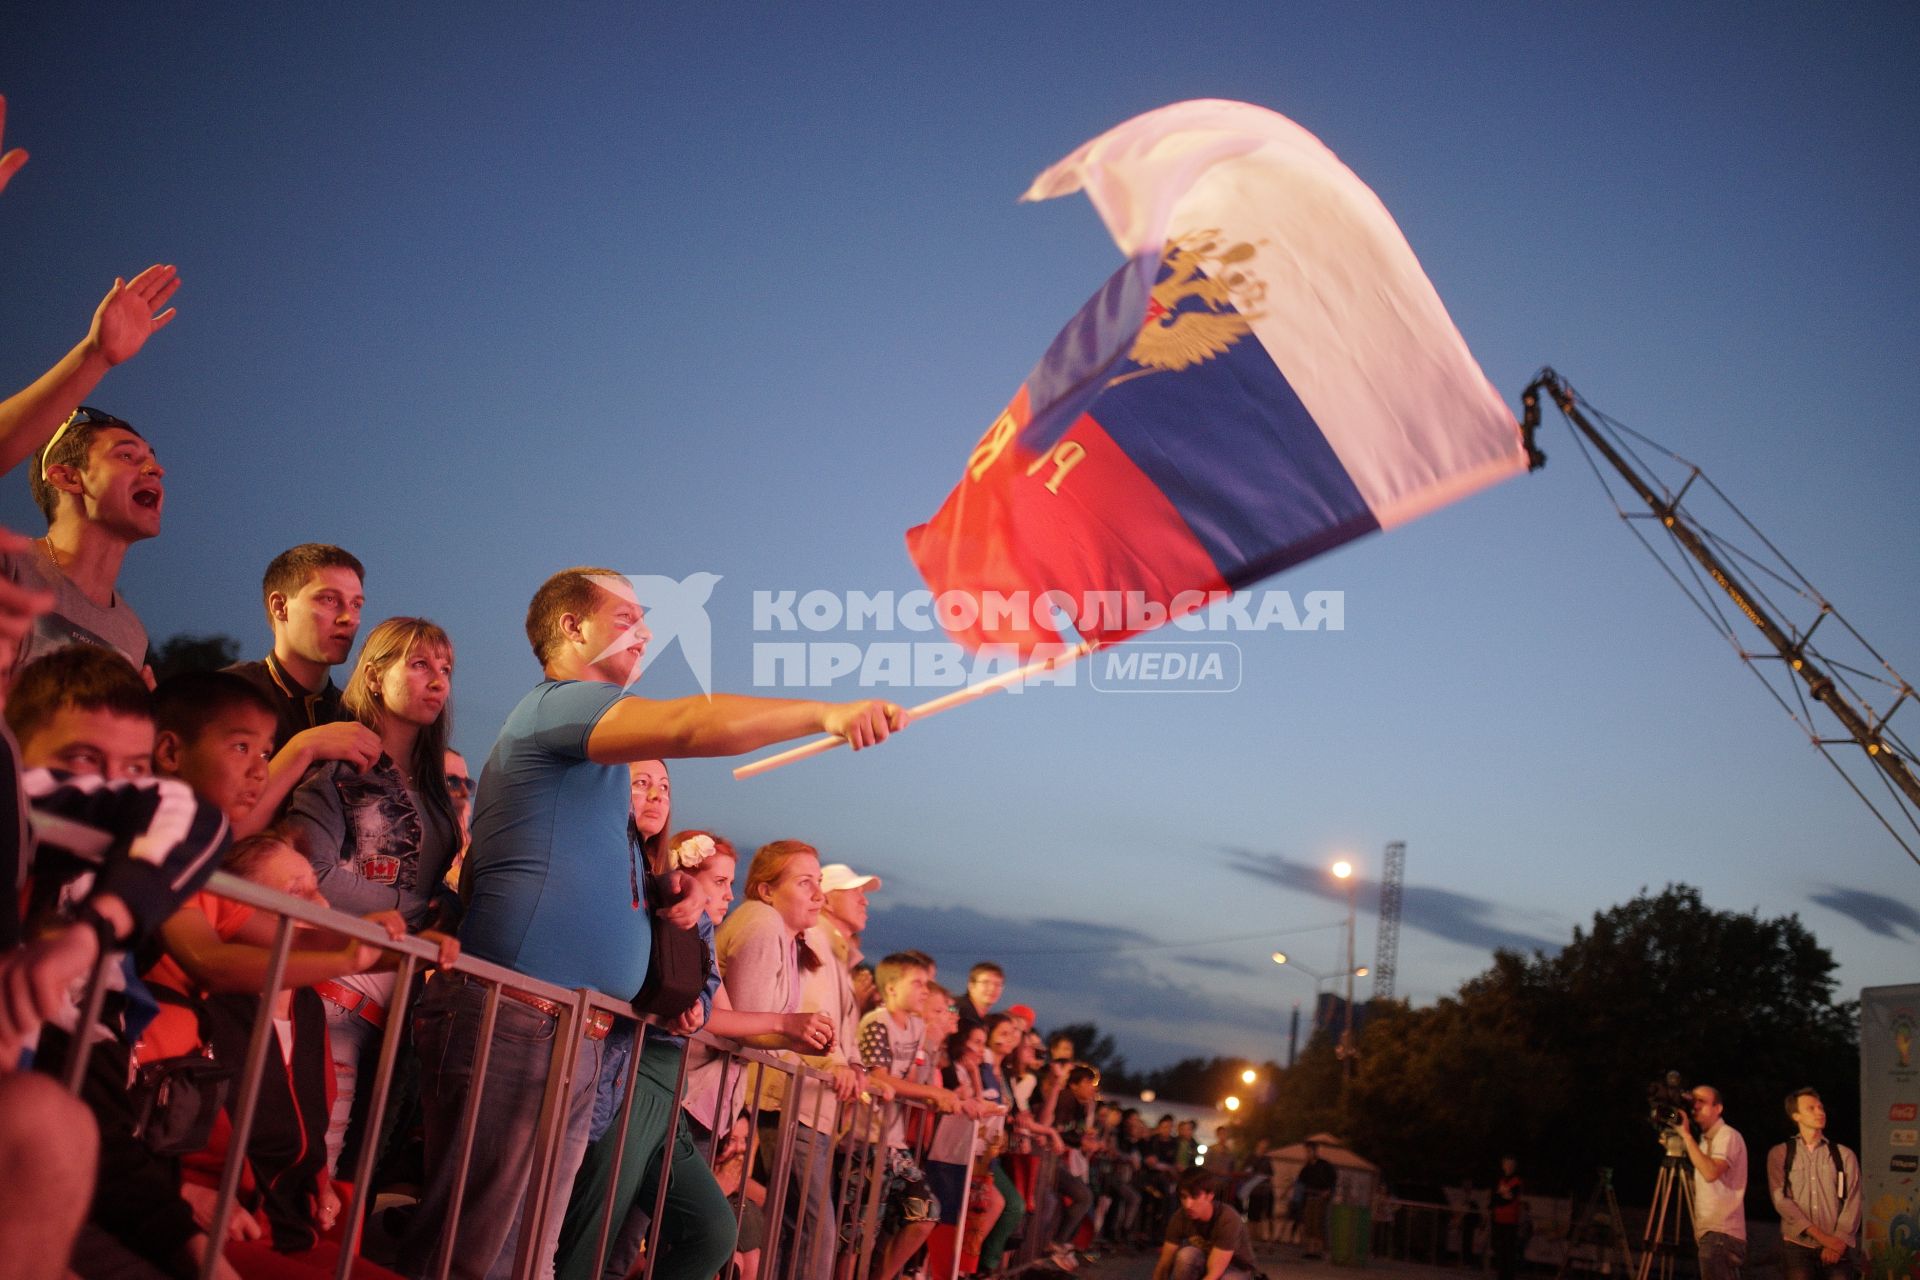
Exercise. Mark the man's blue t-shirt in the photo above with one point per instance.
(550, 870)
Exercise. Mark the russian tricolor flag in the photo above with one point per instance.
(1268, 376)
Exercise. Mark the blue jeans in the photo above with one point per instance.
(1801, 1263)
(809, 1232)
(1721, 1256)
(446, 1033)
(1190, 1263)
(1075, 1200)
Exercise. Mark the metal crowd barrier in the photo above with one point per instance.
(1417, 1231)
(857, 1167)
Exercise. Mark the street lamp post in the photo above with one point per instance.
(1343, 870)
(1318, 978)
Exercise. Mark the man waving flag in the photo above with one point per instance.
(1268, 376)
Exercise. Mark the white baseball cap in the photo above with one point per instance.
(836, 876)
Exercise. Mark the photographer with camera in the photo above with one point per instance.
(1719, 1159)
(1815, 1184)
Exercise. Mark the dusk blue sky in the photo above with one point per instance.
(480, 291)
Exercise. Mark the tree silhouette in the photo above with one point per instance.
(1549, 1057)
(182, 653)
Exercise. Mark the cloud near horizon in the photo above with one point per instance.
(1456, 917)
(1874, 912)
(1078, 971)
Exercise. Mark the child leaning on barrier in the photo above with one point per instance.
(289, 1206)
(966, 1142)
(893, 1042)
(109, 855)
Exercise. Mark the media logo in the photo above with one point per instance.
(1158, 666)
(1903, 1138)
(1900, 1111)
(1904, 1164)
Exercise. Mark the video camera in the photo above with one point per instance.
(1669, 1102)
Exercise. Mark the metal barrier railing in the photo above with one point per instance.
(844, 1143)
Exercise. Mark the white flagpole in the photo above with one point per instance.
(933, 707)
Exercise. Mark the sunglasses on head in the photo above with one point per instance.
(85, 417)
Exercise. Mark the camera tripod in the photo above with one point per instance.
(1670, 1220)
(1600, 1223)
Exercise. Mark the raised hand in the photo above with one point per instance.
(126, 317)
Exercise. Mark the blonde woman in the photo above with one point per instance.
(382, 838)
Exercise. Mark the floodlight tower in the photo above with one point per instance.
(1387, 947)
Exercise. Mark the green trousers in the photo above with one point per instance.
(697, 1225)
(994, 1247)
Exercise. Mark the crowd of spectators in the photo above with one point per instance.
(563, 864)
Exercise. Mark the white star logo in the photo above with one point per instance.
(673, 610)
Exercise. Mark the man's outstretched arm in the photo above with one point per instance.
(731, 724)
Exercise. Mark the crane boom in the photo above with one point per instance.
(1862, 726)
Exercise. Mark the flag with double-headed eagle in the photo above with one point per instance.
(1268, 376)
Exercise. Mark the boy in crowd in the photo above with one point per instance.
(1205, 1238)
(895, 1046)
(1023, 1016)
(313, 595)
(1116, 1204)
(1158, 1176)
(1186, 1147)
(985, 982)
(214, 732)
(84, 711)
(1076, 1117)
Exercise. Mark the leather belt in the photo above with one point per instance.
(357, 1002)
(599, 1021)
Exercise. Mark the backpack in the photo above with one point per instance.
(1839, 1170)
(677, 966)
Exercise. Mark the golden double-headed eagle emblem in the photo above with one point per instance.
(1198, 266)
